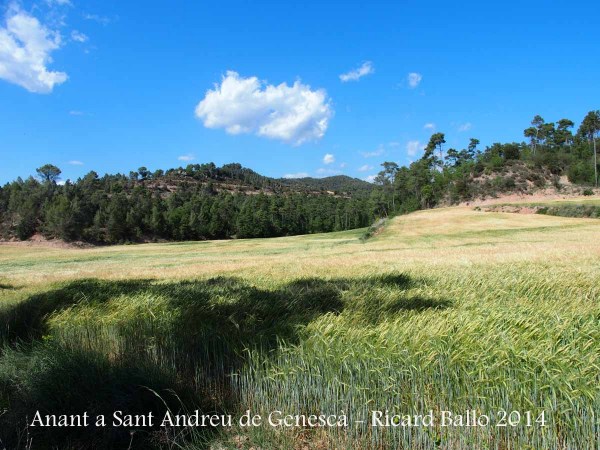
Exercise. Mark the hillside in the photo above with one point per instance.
(203, 201)
(449, 308)
(554, 161)
(200, 201)
(233, 178)
(513, 177)
(341, 184)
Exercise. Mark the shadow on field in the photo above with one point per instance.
(141, 346)
(415, 304)
(6, 286)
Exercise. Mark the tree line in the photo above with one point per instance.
(191, 203)
(119, 208)
(441, 176)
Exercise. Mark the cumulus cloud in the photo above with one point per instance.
(465, 126)
(356, 74)
(293, 114)
(429, 126)
(328, 159)
(296, 175)
(76, 163)
(78, 36)
(414, 79)
(365, 168)
(412, 147)
(25, 48)
(188, 157)
(370, 178)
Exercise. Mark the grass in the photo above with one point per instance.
(445, 309)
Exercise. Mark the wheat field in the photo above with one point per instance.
(447, 309)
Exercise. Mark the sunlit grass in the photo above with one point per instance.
(446, 309)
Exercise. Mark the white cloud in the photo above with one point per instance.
(76, 113)
(76, 163)
(78, 36)
(370, 178)
(394, 144)
(365, 168)
(296, 175)
(429, 126)
(25, 48)
(372, 154)
(328, 158)
(412, 147)
(414, 79)
(96, 18)
(354, 75)
(342, 165)
(465, 126)
(188, 157)
(324, 171)
(294, 114)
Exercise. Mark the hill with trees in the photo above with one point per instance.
(203, 201)
(200, 201)
(443, 177)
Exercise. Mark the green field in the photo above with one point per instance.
(447, 309)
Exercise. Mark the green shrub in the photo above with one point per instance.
(374, 229)
(509, 183)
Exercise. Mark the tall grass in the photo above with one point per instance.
(525, 357)
(518, 332)
(398, 343)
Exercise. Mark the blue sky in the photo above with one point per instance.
(111, 85)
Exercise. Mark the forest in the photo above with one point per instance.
(195, 203)
(450, 176)
(202, 201)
